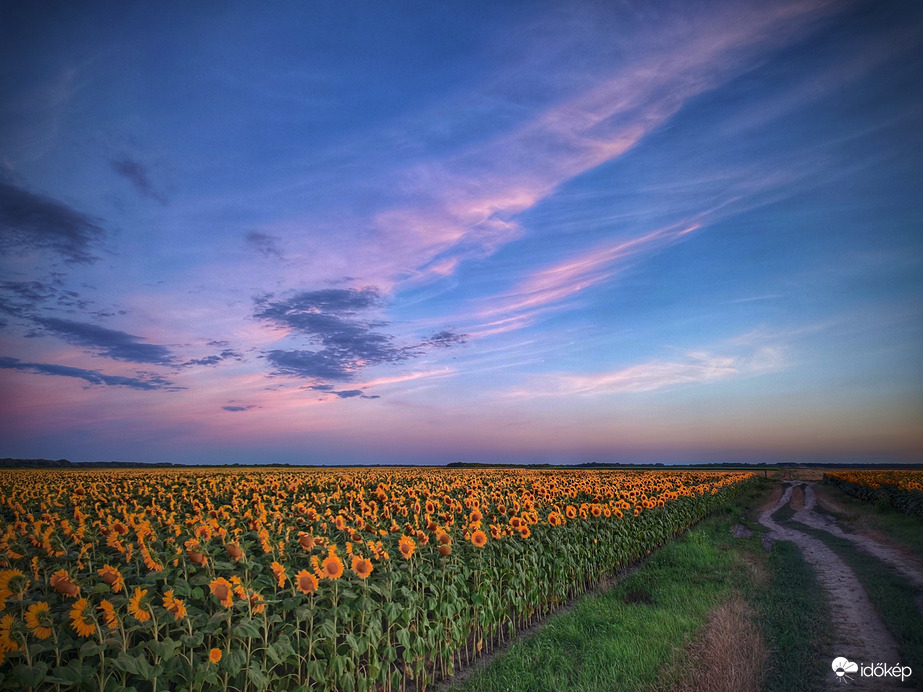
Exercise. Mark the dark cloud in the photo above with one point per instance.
(331, 319)
(264, 244)
(328, 318)
(22, 298)
(321, 364)
(146, 382)
(135, 173)
(214, 359)
(108, 342)
(237, 408)
(34, 222)
(328, 300)
(444, 339)
(343, 394)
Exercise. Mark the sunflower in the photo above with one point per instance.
(7, 577)
(362, 567)
(112, 577)
(112, 621)
(306, 541)
(306, 582)
(6, 635)
(279, 571)
(257, 604)
(237, 586)
(476, 516)
(134, 605)
(406, 545)
(174, 605)
(214, 655)
(221, 588)
(61, 582)
(479, 538)
(36, 614)
(82, 626)
(445, 550)
(332, 566)
(524, 531)
(571, 512)
(196, 556)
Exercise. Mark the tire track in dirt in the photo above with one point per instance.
(859, 633)
(908, 568)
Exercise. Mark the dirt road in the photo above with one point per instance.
(859, 633)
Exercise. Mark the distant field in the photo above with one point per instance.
(305, 578)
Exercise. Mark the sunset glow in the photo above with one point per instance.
(415, 233)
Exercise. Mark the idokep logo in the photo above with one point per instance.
(843, 666)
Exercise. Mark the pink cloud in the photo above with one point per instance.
(464, 206)
(695, 368)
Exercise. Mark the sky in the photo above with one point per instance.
(425, 232)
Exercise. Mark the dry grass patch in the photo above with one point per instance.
(727, 655)
(797, 499)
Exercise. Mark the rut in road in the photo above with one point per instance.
(859, 633)
(909, 569)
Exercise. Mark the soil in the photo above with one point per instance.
(859, 633)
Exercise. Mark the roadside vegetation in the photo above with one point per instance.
(856, 515)
(707, 611)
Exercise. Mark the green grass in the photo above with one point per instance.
(891, 594)
(795, 621)
(621, 638)
(627, 638)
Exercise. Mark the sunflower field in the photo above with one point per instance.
(343, 579)
(902, 490)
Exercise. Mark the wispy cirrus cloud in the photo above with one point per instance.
(548, 288)
(698, 367)
(466, 205)
(31, 221)
(146, 382)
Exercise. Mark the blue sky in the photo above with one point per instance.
(499, 231)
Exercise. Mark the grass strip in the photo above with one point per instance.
(795, 620)
(891, 594)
